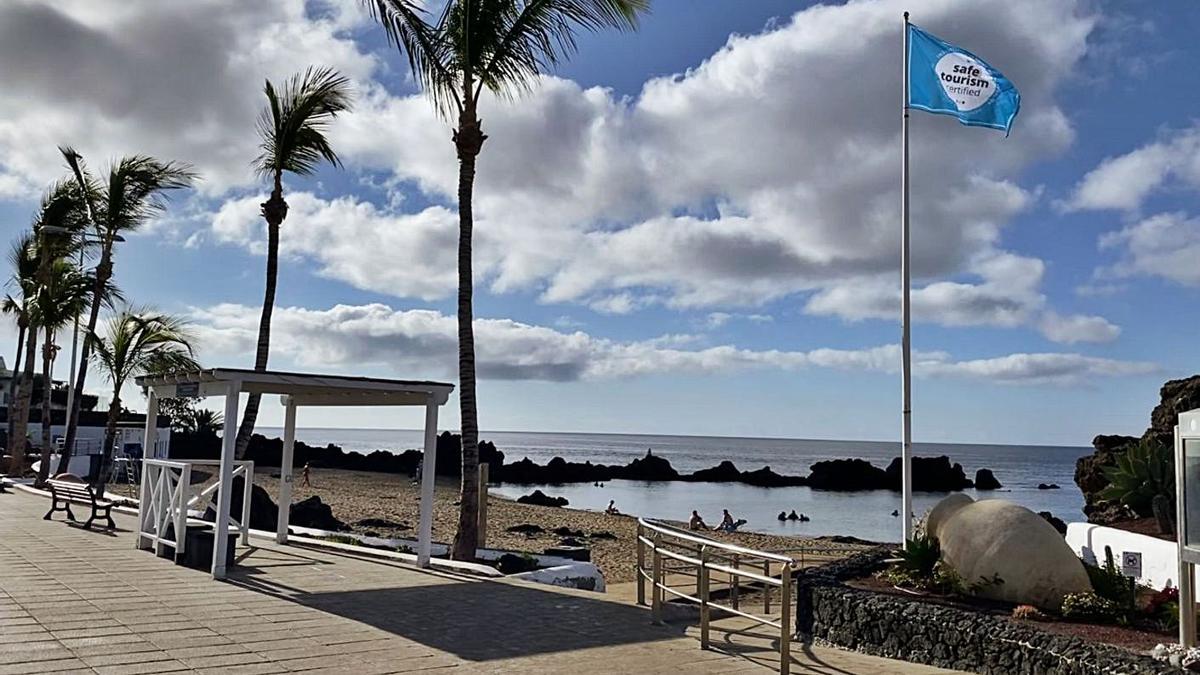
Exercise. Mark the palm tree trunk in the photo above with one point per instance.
(103, 273)
(274, 210)
(19, 441)
(110, 439)
(47, 393)
(468, 141)
(12, 382)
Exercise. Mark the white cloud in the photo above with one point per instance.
(411, 254)
(1078, 328)
(1166, 245)
(1124, 182)
(742, 180)
(736, 183)
(1006, 296)
(177, 80)
(423, 343)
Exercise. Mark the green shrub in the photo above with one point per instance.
(1111, 584)
(921, 555)
(1145, 470)
(1091, 608)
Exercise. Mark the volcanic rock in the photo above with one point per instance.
(846, 475)
(930, 474)
(314, 513)
(985, 480)
(539, 498)
(528, 529)
(725, 472)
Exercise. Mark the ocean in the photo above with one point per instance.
(1020, 468)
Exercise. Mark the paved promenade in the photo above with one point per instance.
(78, 601)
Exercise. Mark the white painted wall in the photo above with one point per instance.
(1160, 561)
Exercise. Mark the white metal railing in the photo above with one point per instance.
(166, 496)
(672, 551)
(162, 501)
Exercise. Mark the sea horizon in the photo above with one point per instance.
(483, 436)
(867, 514)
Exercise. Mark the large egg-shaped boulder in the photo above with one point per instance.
(983, 540)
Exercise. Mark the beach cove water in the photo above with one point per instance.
(861, 514)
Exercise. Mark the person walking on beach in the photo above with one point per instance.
(305, 476)
(697, 523)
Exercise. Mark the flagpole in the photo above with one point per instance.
(905, 338)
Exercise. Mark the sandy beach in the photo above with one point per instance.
(356, 496)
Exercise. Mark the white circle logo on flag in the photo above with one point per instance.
(966, 81)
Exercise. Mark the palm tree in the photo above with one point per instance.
(23, 259)
(134, 192)
(292, 128)
(136, 341)
(63, 297)
(60, 213)
(500, 45)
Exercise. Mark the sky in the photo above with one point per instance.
(690, 229)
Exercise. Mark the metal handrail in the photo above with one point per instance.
(701, 557)
(655, 526)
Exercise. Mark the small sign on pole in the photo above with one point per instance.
(187, 390)
(1131, 564)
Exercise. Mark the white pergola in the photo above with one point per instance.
(296, 390)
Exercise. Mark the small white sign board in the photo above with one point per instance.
(1131, 564)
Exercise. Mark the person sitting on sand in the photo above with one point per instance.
(612, 508)
(727, 522)
(697, 523)
(782, 516)
(793, 516)
(305, 476)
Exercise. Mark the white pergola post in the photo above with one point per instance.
(228, 445)
(150, 438)
(285, 470)
(428, 479)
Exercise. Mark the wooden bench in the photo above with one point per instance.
(65, 491)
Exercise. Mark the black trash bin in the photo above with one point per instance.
(198, 552)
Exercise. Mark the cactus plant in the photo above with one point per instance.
(1144, 471)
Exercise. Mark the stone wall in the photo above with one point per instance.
(943, 636)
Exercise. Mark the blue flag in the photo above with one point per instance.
(949, 80)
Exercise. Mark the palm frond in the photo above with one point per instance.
(138, 340)
(293, 125)
(532, 36)
(137, 190)
(430, 53)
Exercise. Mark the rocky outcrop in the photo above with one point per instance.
(264, 512)
(765, 477)
(1175, 396)
(930, 474)
(1054, 521)
(846, 475)
(265, 451)
(314, 513)
(725, 472)
(539, 498)
(986, 480)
